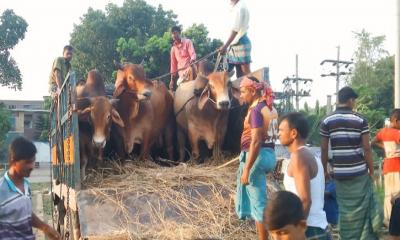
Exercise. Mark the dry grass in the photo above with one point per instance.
(182, 202)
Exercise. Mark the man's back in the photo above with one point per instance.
(344, 129)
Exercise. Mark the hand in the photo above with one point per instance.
(223, 49)
(51, 233)
(244, 179)
(58, 92)
(171, 84)
(327, 177)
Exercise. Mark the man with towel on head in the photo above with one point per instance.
(257, 156)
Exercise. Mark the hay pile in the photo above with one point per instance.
(182, 202)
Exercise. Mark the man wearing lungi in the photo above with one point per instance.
(238, 46)
(360, 217)
(257, 156)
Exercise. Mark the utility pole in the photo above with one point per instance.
(397, 61)
(337, 72)
(297, 82)
(337, 63)
(298, 91)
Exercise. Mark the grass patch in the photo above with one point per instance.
(47, 205)
(40, 186)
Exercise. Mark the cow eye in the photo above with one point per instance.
(109, 117)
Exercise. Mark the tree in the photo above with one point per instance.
(136, 32)
(198, 33)
(12, 28)
(43, 122)
(5, 124)
(119, 33)
(373, 78)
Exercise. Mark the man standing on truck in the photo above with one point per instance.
(59, 70)
(182, 56)
(239, 52)
(16, 216)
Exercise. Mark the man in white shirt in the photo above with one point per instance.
(238, 43)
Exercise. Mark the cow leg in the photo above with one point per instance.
(145, 149)
(181, 141)
(220, 132)
(169, 139)
(83, 158)
(194, 142)
(84, 161)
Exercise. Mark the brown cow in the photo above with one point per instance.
(96, 114)
(146, 109)
(203, 117)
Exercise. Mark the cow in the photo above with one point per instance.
(96, 115)
(203, 116)
(146, 109)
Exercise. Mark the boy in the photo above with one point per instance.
(389, 139)
(285, 217)
(16, 216)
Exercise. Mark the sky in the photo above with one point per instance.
(278, 31)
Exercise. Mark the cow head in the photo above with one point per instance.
(101, 114)
(131, 77)
(218, 91)
(128, 107)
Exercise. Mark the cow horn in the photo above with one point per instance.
(118, 65)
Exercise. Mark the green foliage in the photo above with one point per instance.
(198, 34)
(372, 79)
(43, 122)
(12, 29)
(5, 124)
(119, 33)
(314, 117)
(136, 32)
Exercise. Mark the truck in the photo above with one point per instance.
(78, 212)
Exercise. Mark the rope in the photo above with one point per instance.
(184, 105)
(183, 68)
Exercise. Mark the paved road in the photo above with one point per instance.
(41, 174)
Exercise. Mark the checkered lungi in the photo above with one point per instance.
(240, 53)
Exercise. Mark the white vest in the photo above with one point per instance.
(317, 215)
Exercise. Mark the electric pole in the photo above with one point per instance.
(337, 63)
(289, 92)
(397, 61)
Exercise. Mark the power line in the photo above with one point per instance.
(338, 64)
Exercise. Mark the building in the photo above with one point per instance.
(25, 115)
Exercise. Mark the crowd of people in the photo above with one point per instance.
(336, 187)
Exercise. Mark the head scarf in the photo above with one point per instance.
(266, 91)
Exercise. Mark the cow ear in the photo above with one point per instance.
(83, 115)
(116, 118)
(135, 109)
(82, 103)
(236, 94)
(203, 97)
(118, 90)
(118, 66)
